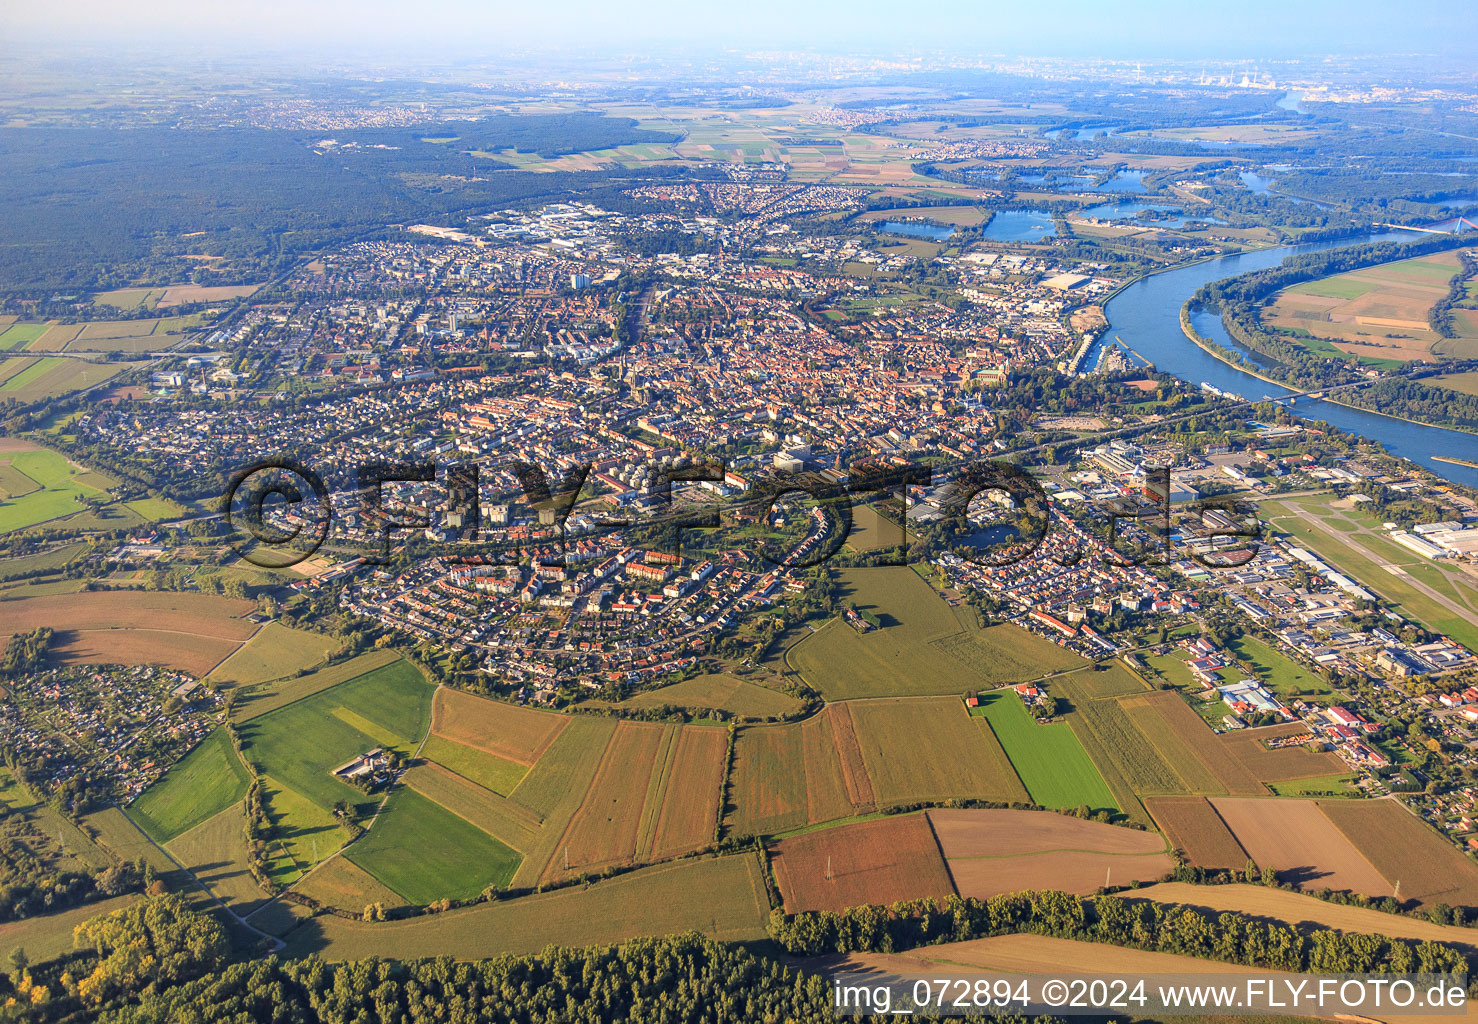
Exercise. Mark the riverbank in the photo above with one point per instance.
(1212, 349)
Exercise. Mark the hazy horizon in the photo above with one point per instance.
(459, 29)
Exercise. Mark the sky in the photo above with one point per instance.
(1111, 28)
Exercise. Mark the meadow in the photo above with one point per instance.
(1050, 761)
(925, 645)
(424, 852)
(40, 485)
(301, 744)
(31, 379)
(260, 699)
(274, 652)
(739, 697)
(202, 784)
(215, 853)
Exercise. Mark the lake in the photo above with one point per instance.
(917, 229)
(1122, 211)
(1020, 226)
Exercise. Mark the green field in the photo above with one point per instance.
(1052, 764)
(925, 646)
(57, 558)
(268, 697)
(19, 335)
(59, 490)
(274, 652)
(199, 786)
(154, 509)
(499, 774)
(1320, 784)
(301, 744)
(738, 697)
(1283, 676)
(425, 852)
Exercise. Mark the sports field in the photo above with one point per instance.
(199, 786)
(1052, 764)
(925, 646)
(425, 852)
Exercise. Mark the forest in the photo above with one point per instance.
(99, 208)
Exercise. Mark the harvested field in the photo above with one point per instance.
(827, 794)
(995, 851)
(604, 830)
(1108, 679)
(1177, 717)
(1297, 909)
(1403, 849)
(190, 632)
(1144, 712)
(1195, 829)
(276, 651)
(1284, 764)
(1294, 838)
(768, 787)
(721, 897)
(1037, 954)
(688, 815)
(343, 884)
(924, 647)
(842, 727)
(1133, 756)
(186, 652)
(176, 294)
(1000, 832)
(519, 734)
(514, 826)
(880, 861)
(961, 758)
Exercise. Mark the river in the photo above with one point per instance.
(1146, 315)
